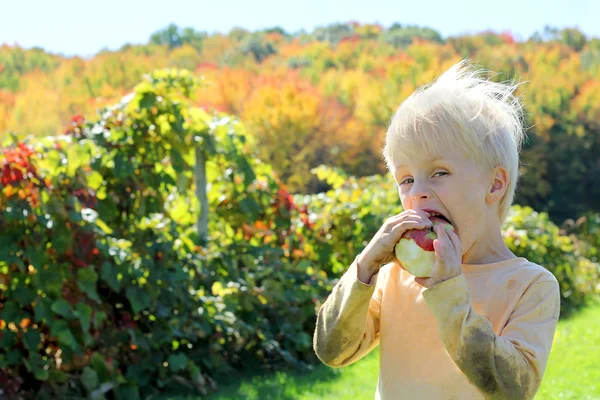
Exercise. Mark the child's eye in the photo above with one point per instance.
(440, 172)
(407, 181)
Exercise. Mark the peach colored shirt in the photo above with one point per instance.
(485, 334)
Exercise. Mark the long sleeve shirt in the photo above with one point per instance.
(484, 334)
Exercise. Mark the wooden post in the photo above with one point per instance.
(201, 194)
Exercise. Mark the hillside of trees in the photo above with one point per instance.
(326, 96)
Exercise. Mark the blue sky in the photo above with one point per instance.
(84, 27)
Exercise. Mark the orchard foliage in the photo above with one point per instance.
(532, 235)
(327, 96)
(105, 287)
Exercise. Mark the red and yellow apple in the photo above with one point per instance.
(415, 249)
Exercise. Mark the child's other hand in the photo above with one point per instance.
(448, 258)
(380, 249)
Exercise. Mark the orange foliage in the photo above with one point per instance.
(7, 102)
(308, 101)
(586, 104)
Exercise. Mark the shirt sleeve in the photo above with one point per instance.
(348, 322)
(505, 366)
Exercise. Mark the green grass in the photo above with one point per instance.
(573, 371)
(354, 382)
(357, 381)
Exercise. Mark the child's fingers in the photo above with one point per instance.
(407, 214)
(442, 234)
(454, 239)
(442, 242)
(407, 218)
(398, 227)
(450, 237)
(445, 235)
(438, 247)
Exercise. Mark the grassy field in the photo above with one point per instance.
(574, 367)
(573, 372)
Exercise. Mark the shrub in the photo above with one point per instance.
(106, 287)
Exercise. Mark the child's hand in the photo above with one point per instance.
(380, 249)
(448, 258)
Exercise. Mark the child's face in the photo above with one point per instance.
(452, 186)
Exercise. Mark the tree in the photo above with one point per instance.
(173, 37)
(402, 36)
(333, 33)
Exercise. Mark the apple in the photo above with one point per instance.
(415, 249)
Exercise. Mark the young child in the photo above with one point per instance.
(481, 327)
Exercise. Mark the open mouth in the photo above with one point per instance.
(435, 214)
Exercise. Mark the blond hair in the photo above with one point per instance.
(464, 113)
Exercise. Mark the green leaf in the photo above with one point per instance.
(8, 249)
(86, 281)
(62, 239)
(13, 357)
(138, 298)
(50, 280)
(89, 378)
(99, 318)
(75, 216)
(129, 392)
(42, 311)
(95, 180)
(62, 308)
(41, 374)
(122, 166)
(58, 376)
(99, 364)
(34, 362)
(110, 276)
(102, 225)
(246, 168)
(148, 100)
(24, 295)
(32, 340)
(60, 329)
(84, 312)
(8, 339)
(37, 256)
(138, 373)
(177, 161)
(101, 193)
(210, 144)
(177, 362)
(250, 207)
(195, 374)
(9, 312)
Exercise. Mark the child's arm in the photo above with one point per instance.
(348, 322)
(505, 366)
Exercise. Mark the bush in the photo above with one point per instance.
(532, 235)
(106, 288)
(586, 233)
(344, 219)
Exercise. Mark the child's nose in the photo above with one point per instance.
(420, 192)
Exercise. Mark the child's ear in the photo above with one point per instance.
(499, 185)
